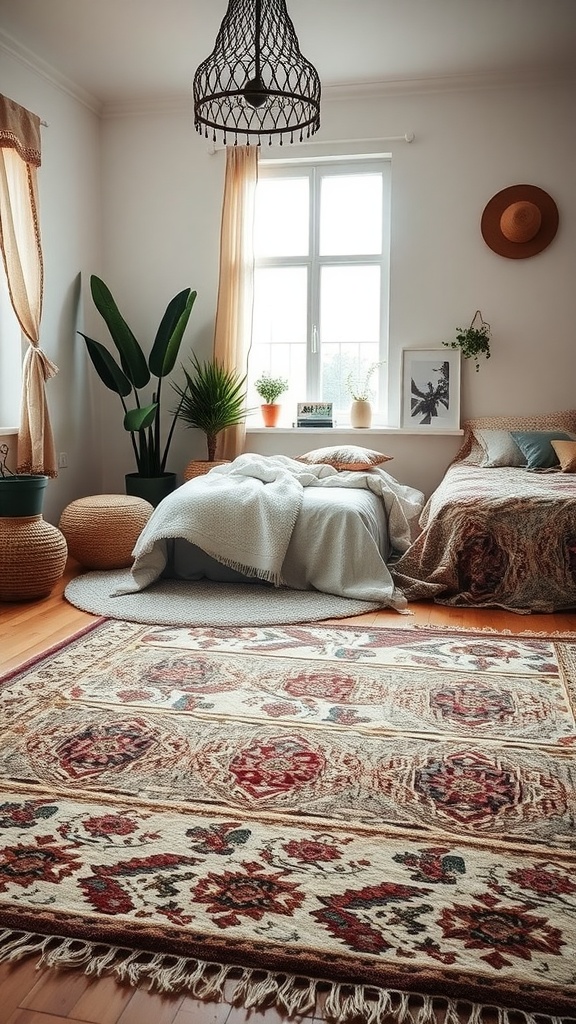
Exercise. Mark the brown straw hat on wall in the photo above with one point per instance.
(519, 221)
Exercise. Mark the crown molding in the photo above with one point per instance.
(364, 90)
(446, 83)
(46, 71)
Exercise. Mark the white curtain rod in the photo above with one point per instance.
(408, 137)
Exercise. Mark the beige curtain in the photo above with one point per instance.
(22, 255)
(235, 290)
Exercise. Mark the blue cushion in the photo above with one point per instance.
(536, 448)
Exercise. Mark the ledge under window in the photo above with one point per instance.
(328, 432)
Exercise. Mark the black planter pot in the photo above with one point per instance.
(151, 488)
(22, 495)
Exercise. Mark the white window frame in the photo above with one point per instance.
(315, 168)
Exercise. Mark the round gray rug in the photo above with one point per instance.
(205, 603)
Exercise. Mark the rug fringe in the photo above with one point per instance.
(257, 988)
(560, 634)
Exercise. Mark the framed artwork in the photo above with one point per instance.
(430, 389)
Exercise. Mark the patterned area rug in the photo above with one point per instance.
(378, 822)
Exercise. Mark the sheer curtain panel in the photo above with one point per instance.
(233, 327)
(22, 254)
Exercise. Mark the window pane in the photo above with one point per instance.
(281, 217)
(349, 304)
(279, 333)
(351, 215)
(343, 362)
(280, 300)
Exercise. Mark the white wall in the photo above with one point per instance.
(148, 184)
(161, 215)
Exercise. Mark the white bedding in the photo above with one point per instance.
(250, 516)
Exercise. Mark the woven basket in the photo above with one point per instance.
(32, 557)
(101, 530)
(201, 466)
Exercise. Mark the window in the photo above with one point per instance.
(10, 359)
(321, 244)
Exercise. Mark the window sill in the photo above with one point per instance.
(356, 431)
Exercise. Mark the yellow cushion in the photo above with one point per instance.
(566, 452)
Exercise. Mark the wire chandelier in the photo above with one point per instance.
(256, 83)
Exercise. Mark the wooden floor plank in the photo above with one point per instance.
(147, 1007)
(192, 1011)
(56, 992)
(25, 1016)
(16, 981)
(103, 1001)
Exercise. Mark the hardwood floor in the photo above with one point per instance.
(30, 996)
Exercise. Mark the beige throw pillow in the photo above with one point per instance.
(566, 452)
(345, 456)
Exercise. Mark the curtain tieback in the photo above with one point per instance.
(47, 367)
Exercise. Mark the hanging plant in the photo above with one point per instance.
(473, 341)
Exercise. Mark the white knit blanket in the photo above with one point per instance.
(243, 514)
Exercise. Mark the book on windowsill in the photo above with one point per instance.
(314, 414)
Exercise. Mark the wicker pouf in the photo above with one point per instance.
(32, 557)
(101, 530)
(198, 467)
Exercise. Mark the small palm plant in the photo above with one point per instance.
(214, 398)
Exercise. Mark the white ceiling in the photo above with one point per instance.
(131, 51)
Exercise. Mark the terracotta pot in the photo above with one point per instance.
(271, 414)
(360, 413)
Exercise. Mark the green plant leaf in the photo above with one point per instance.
(107, 368)
(472, 342)
(132, 357)
(170, 333)
(139, 419)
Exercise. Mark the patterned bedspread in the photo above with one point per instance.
(495, 537)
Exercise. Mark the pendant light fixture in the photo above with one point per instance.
(256, 85)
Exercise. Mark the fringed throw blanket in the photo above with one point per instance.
(381, 818)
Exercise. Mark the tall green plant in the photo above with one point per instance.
(214, 398)
(134, 372)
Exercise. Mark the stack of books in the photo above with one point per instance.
(314, 414)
